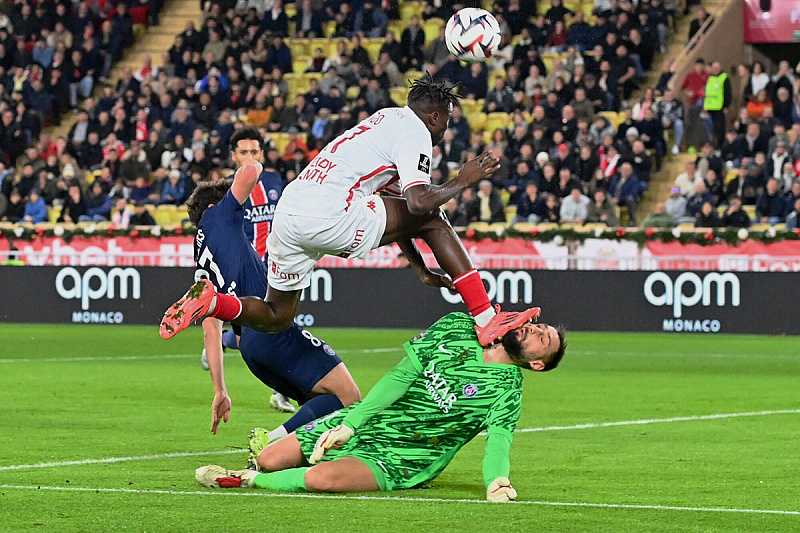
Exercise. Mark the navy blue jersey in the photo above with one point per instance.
(223, 253)
(260, 208)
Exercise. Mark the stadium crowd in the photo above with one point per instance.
(553, 104)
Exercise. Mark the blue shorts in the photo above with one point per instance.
(291, 362)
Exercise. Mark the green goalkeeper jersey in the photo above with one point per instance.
(445, 395)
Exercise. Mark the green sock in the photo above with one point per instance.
(290, 480)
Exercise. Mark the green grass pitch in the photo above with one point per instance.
(102, 428)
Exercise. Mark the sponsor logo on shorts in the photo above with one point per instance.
(310, 426)
(470, 390)
(371, 205)
(273, 194)
(424, 163)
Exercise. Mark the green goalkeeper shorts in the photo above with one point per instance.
(391, 471)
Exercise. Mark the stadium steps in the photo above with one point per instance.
(155, 41)
(661, 182)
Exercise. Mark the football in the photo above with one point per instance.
(472, 34)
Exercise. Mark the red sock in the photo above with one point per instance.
(227, 307)
(470, 286)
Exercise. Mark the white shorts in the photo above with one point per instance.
(297, 242)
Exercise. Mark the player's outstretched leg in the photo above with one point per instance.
(503, 322)
(194, 305)
(218, 477)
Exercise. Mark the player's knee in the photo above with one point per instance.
(320, 479)
(350, 395)
(269, 462)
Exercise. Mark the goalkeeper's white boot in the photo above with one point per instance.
(281, 403)
(218, 477)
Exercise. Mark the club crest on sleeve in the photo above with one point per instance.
(470, 390)
(310, 426)
(273, 194)
(328, 350)
(424, 163)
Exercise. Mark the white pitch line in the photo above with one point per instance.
(401, 499)
(662, 420)
(524, 430)
(164, 356)
(119, 459)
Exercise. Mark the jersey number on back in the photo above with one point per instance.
(374, 120)
(205, 263)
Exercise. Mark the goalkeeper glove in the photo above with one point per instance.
(335, 437)
(500, 490)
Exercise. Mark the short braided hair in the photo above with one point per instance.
(425, 92)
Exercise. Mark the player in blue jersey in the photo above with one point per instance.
(292, 362)
(259, 209)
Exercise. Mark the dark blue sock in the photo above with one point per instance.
(229, 340)
(311, 410)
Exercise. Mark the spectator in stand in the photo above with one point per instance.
(35, 208)
(735, 216)
(530, 206)
(676, 205)
(602, 211)
(552, 209)
(771, 204)
(98, 205)
(454, 213)
(694, 87)
(695, 202)
(370, 20)
(141, 216)
(642, 162)
(308, 21)
(412, 44)
(575, 207)
(624, 190)
(793, 217)
(687, 180)
(659, 218)
(121, 215)
(670, 112)
(757, 105)
(74, 205)
(474, 81)
(500, 98)
(715, 187)
(14, 209)
(707, 217)
(488, 206)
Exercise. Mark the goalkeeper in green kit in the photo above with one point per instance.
(448, 388)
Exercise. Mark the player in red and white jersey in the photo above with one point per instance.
(332, 208)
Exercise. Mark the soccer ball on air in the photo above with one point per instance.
(472, 34)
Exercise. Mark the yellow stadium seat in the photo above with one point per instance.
(615, 118)
(496, 121)
(431, 28)
(299, 47)
(409, 9)
(468, 105)
(163, 214)
(731, 175)
(53, 213)
(397, 27)
(477, 121)
(352, 92)
(281, 141)
(573, 6)
(299, 64)
(543, 7)
(549, 60)
(587, 8)
(493, 75)
(373, 47)
(179, 215)
(399, 95)
(290, 10)
(329, 27)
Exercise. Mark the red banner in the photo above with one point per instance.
(114, 251)
(771, 21)
(748, 256)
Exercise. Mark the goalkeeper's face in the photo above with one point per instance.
(531, 345)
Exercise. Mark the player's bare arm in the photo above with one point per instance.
(426, 275)
(212, 339)
(424, 198)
